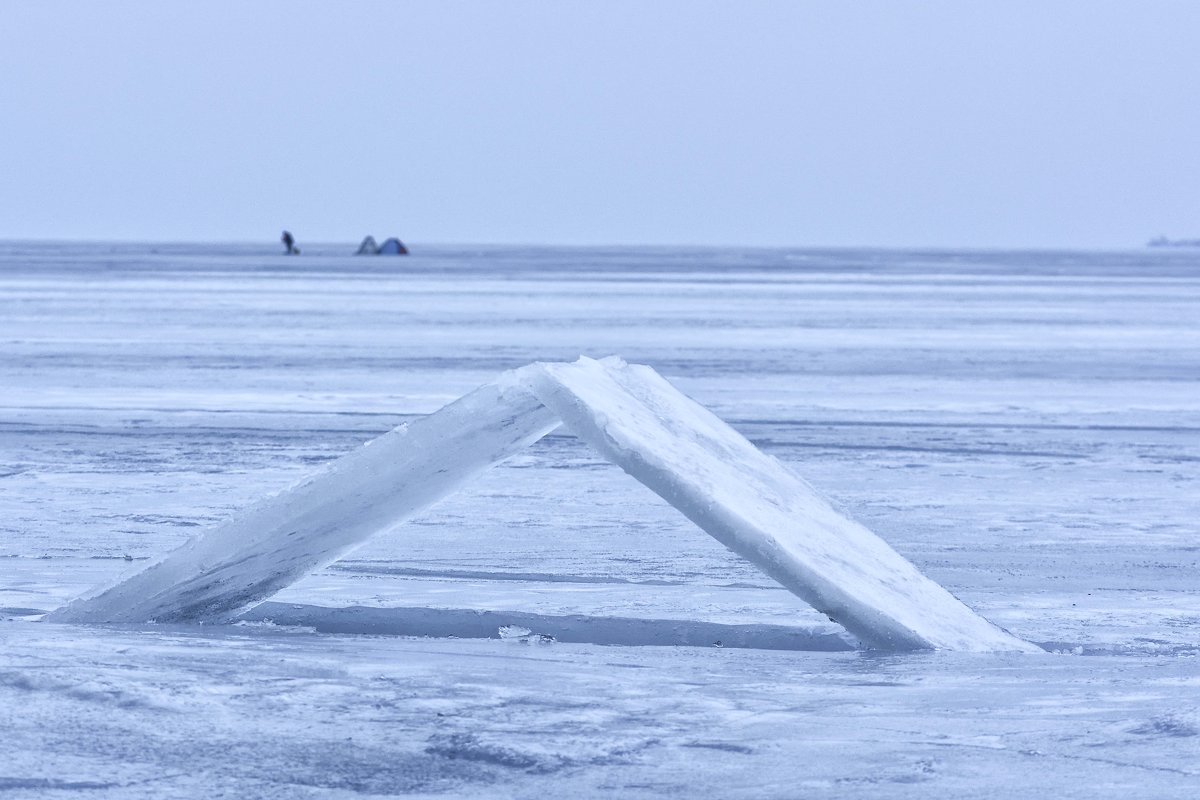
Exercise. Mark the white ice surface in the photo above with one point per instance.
(984, 413)
(266, 712)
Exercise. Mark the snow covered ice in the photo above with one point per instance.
(1023, 427)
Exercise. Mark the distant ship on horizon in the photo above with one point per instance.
(1163, 241)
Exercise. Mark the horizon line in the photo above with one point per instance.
(272, 244)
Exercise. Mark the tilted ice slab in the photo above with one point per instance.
(759, 509)
(279, 540)
(744, 498)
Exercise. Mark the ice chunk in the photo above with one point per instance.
(758, 508)
(631, 415)
(283, 538)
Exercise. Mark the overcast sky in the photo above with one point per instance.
(761, 123)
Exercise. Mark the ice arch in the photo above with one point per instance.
(630, 414)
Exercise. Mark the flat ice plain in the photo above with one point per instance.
(1023, 426)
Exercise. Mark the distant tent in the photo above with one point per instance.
(390, 247)
(393, 247)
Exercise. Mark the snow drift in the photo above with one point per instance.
(630, 414)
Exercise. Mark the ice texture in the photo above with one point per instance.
(281, 539)
(747, 500)
(1023, 426)
(758, 508)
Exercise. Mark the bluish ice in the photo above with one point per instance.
(1022, 426)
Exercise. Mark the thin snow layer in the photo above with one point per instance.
(281, 539)
(752, 504)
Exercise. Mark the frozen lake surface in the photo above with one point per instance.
(1024, 427)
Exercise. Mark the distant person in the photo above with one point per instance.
(289, 242)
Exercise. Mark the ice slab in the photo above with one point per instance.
(758, 508)
(285, 537)
(631, 415)
(472, 623)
